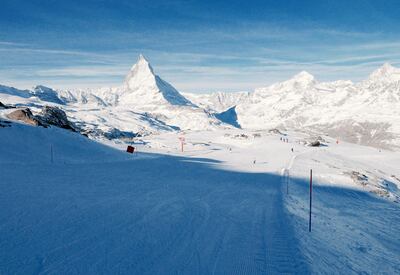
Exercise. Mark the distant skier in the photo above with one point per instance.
(254, 161)
(292, 149)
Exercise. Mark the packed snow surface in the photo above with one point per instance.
(224, 205)
(234, 201)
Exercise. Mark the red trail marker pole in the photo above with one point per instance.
(309, 220)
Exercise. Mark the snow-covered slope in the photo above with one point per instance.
(94, 210)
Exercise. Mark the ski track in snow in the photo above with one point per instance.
(184, 218)
(208, 210)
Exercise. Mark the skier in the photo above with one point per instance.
(292, 149)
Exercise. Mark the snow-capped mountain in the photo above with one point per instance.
(219, 101)
(367, 112)
(386, 73)
(144, 103)
(144, 89)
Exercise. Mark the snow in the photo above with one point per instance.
(217, 102)
(235, 201)
(386, 73)
(365, 113)
(210, 209)
(46, 94)
(144, 87)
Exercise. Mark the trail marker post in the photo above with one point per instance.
(182, 140)
(309, 220)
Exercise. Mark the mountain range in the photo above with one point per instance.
(366, 113)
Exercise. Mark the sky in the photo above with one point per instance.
(197, 46)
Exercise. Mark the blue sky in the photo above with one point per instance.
(197, 46)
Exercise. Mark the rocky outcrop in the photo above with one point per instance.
(25, 115)
(49, 116)
(315, 143)
(118, 134)
(54, 116)
(275, 131)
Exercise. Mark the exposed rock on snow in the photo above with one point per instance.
(118, 134)
(241, 136)
(315, 143)
(48, 116)
(357, 177)
(25, 115)
(275, 131)
(57, 117)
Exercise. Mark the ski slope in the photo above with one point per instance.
(219, 207)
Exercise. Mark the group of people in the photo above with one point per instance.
(285, 139)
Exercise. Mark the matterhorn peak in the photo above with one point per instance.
(140, 74)
(143, 86)
(386, 73)
(142, 61)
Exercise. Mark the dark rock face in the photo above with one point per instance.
(316, 143)
(57, 117)
(357, 177)
(25, 115)
(49, 116)
(4, 106)
(118, 134)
